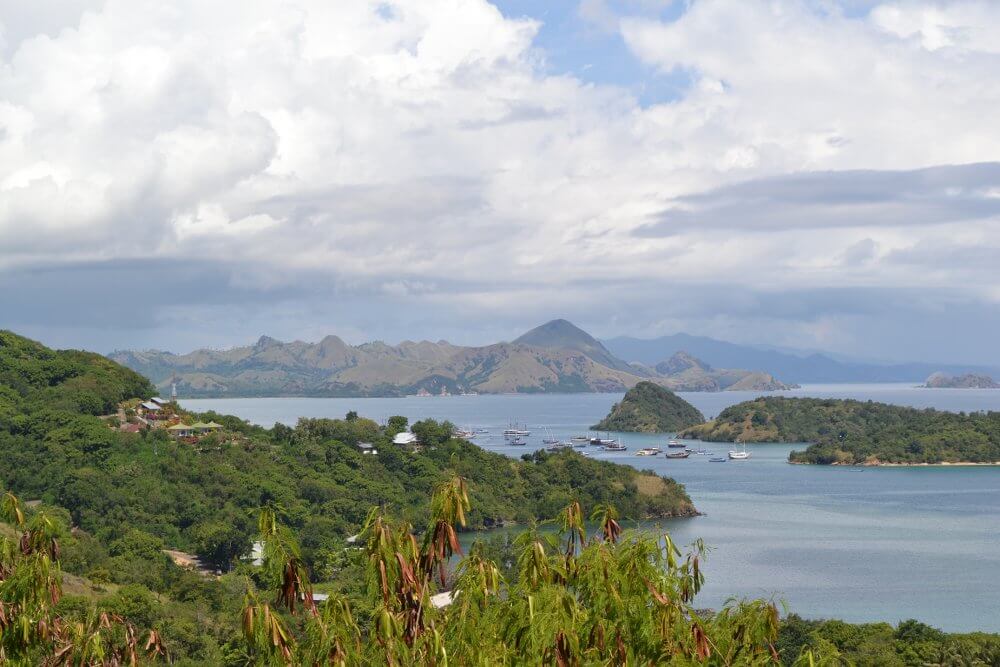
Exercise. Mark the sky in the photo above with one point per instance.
(814, 174)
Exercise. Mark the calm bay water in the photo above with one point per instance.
(861, 544)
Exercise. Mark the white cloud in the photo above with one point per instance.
(420, 142)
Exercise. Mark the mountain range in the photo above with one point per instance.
(801, 368)
(555, 357)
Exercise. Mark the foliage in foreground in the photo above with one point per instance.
(552, 598)
(32, 631)
(616, 598)
(858, 432)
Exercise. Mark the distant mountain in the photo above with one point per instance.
(684, 372)
(331, 367)
(789, 367)
(967, 381)
(555, 357)
(564, 335)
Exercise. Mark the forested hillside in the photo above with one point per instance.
(858, 432)
(129, 496)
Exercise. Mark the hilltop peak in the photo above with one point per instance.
(680, 362)
(566, 335)
(556, 333)
(266, 341)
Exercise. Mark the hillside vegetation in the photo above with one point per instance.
(189, 496)
(858, 432)
(649, 408)
(131, 495)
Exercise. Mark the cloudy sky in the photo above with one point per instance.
(817, 174)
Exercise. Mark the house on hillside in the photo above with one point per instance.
(150, 410)
(159, 401)
(404, 438)
(367, 448)
(202, 428)
(181, 430)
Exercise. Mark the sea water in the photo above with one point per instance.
(859, 544)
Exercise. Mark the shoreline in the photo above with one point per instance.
(880, 464)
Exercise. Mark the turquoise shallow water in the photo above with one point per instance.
(851, 543)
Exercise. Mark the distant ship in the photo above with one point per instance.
(739, 455)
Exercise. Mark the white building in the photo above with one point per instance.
(404, 438)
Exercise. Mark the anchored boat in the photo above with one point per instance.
(739, 455)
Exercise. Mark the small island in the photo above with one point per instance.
(967, 381)
(649, 408)
(849, 432)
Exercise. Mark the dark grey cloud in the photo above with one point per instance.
(856, 198)
(180, 306)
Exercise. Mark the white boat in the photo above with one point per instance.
(614, 447)
(556, 446)
(580, 438)
(739, 455)
(512, 431)
(648, 451)
(516, 440)
(549, 439)
(675, 444)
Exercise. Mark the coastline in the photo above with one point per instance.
(880, 464)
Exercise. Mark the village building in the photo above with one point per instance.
(150, 409)
(202, 427)
(404, 438)
(367, 448)
(181, 430)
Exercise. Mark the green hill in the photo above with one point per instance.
(131, 495)
(858, 432)
(649, 408)
(55, 449)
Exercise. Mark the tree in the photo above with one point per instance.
(396, 424)
(219, 543)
